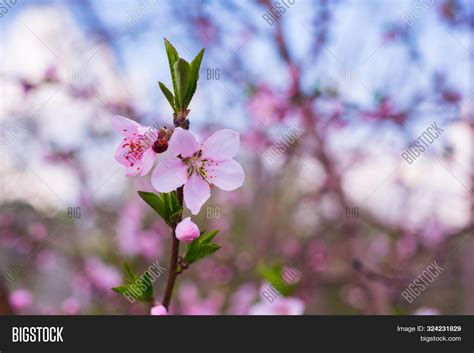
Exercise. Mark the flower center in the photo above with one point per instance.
(135, 148)
(196, 165)
(161, 143)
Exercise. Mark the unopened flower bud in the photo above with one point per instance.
(187, 231)
(159, 310)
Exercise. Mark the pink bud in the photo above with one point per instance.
(159, 310)
(187, 231)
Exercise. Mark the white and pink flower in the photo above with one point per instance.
(135, 152)
(199, 166)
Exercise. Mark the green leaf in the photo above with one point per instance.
(175, 217)
(206, 239)
(192, 250)
(156, 203)
(120, 289)
(169, 96)
(165, 204)
(146, 280)
(136, 284)
(173, 57)
(175, 202)
(181, 73)
(274, 276)
(129, 275)
(201, 247)
(193, 77)
(205, 250)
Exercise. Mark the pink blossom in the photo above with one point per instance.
(187, 230)
(280, 306)
(266, 107)
(20, 299)
(70, 306)
(129, 226)
(242, 299)
(159, 310)
(136, 150)
(432, 234)
(103, 276)
(198, 166)
(427, 311)
(193, 304)
(150, 245)
(355, 296)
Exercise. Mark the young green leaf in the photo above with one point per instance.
(205, 250)
(121, 289)
(201, 247)
(128, 272)
(169, 96)
(206, 239)
(181, 73)
(173, 56)
(192, 249)
(174, 210)
(148, 283)
(165, 204)
(194, 77)
(156, 203)
(175, 217)
(143, 282)
(175, 207)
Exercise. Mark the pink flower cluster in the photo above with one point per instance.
(186, 162)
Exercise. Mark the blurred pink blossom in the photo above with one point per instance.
(242, 299)
(192, 304)
(427, 311)
(129, 224)
(266, 107)
(406, 246)
(20, 299)
(150, 243)
(37, 230)
(281, 306)
(317, 256)
(103, 276)
(432, 234)
(70, 306)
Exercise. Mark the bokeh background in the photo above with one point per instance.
(363, 79)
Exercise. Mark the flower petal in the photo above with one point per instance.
(183, 143)
(120, 154)
(223, 145)
(196, 192)
(169, 175)
(148, 160)
(124, 126)
(130, 170)
(186, 230)
(227, 175)
(158, 310)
